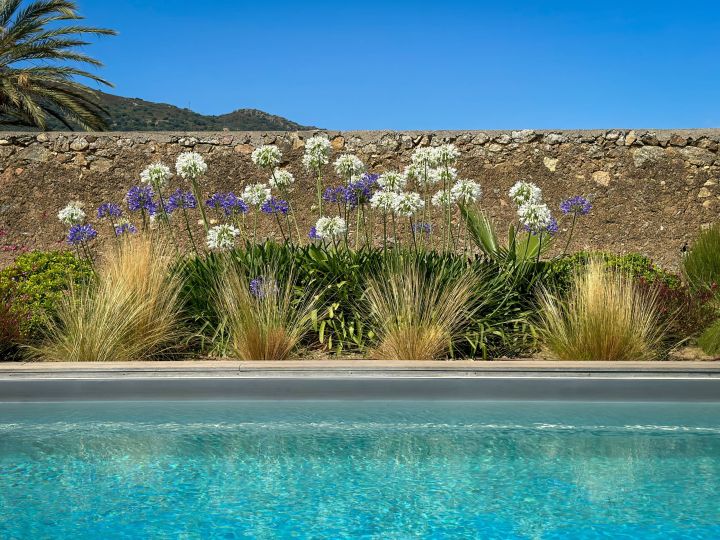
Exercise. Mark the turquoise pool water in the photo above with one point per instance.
(359, 470)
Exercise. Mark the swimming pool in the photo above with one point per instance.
(333, 469)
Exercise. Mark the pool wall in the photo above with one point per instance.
(309, 387)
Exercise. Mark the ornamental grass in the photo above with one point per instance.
(604, 316)
(130, 310)
(265, 319)
(418, 315)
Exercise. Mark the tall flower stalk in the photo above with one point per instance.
(191, 166)
(317, 155)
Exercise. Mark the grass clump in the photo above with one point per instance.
(604, 316)
(709, 340)
(417, 314)
(702, 263)
(265, 319)
(129, 311)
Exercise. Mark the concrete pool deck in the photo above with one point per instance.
(527, 380)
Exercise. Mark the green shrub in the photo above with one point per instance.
(561, 271)
(702, 263)
(502, 303)
(10, 336)
(36, 282)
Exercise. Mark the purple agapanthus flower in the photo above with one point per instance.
(576, 205)
(141, 198)
(216, 200)
(125, 228)
(360, 191)
(256, 287)
(275, 206)
(313, 235)
(229, 203)
(80, 233)
(109, 210)
(335, 194)
(260, 288)
(424, 228)
(181, 199)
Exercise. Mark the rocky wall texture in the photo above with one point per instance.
(652, 190)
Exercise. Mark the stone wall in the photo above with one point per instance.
(652, 190)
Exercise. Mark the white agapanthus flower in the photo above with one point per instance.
(330, 227)
(317, 152)
(281, 179)
(408, 204)
(535, 216)
(72, 214)
(445, 154)
(466, 191)
(222, 237)
(383, 200)
(525, 192)
(349, 166)
(256, 194)
(190, 165)
(443, 198)
(156, 175)
(392, 181)
(267, 156)
(424, 157)
(421, 175)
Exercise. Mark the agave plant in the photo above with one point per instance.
(39, 66)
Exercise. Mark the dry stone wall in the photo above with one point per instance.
(652, 190)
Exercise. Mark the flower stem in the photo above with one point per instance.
(572, 229)
(189, 231)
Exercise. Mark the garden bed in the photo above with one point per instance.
(399, 265)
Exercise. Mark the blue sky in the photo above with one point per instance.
(417, 65)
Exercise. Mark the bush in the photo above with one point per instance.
(561, 272)
(130, 311)
(503, 300)
(36, 282)
(683, 311)
(604, 316)
(10, 336)
(337, 277)
(702, 263)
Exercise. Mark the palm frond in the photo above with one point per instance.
(39, 73)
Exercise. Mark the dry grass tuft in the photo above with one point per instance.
(416, 316)
(265, 321)
(131, 311)
(604, 317)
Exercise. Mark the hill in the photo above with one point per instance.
(134, 114)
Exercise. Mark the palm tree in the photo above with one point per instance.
(40, 65)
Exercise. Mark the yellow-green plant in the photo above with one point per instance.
(130, 310)
(264, 318)
(604, 316)
(418, 315)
